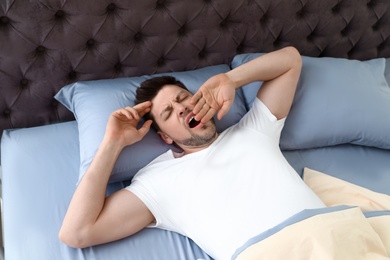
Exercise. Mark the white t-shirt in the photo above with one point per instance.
(238, 187)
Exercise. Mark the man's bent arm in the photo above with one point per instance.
(91, 217)
(279, 71)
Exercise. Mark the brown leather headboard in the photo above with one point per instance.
(46, 44)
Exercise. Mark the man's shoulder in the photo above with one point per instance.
(164, 157)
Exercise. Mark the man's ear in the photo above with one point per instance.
(165, 137)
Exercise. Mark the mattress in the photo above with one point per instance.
(40, 172)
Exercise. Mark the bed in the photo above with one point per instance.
(65, 65)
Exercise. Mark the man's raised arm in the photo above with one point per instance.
(279, 70)
(91, 217)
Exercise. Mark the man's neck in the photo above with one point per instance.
(192, 149)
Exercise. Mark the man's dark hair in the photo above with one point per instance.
(149, 90)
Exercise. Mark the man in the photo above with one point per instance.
(222, 189)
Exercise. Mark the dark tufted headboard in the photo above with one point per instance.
(46, 44)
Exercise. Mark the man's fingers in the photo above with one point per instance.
(201, 112)
(143, 105)
(199, 106)
(210, 113)
(205, 114)
(135, 112)
(130, 113)
(143, 108)
(123, 112)
(196, 97)
(224, 109)
(143, 112)
(145, 128)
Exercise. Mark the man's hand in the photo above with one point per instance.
(122, 124)
(216, 94)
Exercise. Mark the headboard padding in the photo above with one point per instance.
(47, 44)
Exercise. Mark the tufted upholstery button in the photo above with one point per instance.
(351, 51)
(223, 24)
(90, 42)
(72, 75)
(381, 46)
(336, 9)
(59, 14)
(7, 112)
(301, 13)
(310, 37)
(111, 7)
(264, 18)
(137, 37)
(202, 54)
(40, 49)
(54, 103)
(160, 62)
(24, 82)
(277, 43)
(4, 20)
(375, 27)
(118, 66)
(344, 32)
(160, 4)
(240, 48)
(182, 31)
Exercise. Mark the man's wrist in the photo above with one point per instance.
(112, 143)
(233, 79)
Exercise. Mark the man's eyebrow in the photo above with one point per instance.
(166, 109)
(179, 94)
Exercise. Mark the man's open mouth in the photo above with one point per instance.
(192, 122)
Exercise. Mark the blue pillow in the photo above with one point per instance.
(337, 101)
(92, 102)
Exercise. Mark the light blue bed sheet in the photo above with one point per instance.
(40, 170)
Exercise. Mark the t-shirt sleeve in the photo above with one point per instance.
(261, 119)
(143, 194)
(142, 186)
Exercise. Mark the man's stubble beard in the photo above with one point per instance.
(197, 140)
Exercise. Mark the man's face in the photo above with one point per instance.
(172, 112)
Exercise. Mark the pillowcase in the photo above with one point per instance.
(333, 191)
(92, 102)
(337, 101)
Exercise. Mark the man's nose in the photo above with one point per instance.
(181, 108)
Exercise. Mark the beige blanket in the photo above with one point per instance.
(343, 234)
(360, 230)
